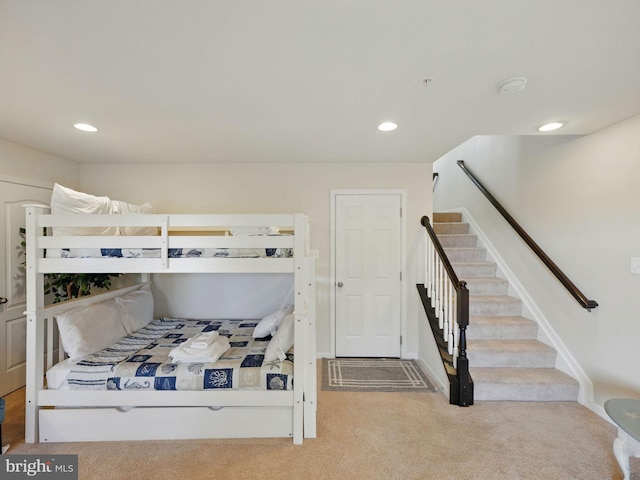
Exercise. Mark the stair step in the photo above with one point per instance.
(458, 240)
(494, 305)
(487, 286)
(511, 353)
(523, 384)
(474, 269)
(453, 227)
(447, 217)
(466, 254)
(501, 328)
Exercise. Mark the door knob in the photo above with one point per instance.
(3, 300)
(340, 284)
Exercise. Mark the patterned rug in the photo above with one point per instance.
(373, 375)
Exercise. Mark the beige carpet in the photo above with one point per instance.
(371, 436)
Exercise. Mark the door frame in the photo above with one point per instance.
(23, 182)
(403, 262)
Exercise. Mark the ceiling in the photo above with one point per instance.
(307, 81)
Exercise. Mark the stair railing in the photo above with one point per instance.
(449, 302)
(559, 274)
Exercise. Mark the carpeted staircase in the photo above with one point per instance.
(506, 360)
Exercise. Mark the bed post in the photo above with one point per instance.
(310, 375)
(35, 330)
(299, 250)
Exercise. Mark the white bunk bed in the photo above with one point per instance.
(79, 415)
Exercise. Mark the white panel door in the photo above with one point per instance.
(368, 266)
(12, 281)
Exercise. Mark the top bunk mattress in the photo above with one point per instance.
(81, 225)
(141, 361)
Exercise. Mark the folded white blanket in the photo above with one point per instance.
(185, 353)
(204, 339)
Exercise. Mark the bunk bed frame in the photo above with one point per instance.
(62, 415)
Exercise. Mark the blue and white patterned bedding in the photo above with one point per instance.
(172, 253)
(141, 361)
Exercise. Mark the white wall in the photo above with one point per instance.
(274, 188)
(579, 200)
(18, 162)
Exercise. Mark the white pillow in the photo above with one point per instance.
(129, 208)
(281, 341)
(269, 324)
(89, 329)
(65, 201)
(136, 308)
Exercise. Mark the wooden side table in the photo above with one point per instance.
(625, 412)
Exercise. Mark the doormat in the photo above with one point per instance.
(373, 375)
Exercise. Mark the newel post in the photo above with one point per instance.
(465, 386)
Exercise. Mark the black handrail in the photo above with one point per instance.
(463, 393)
(424, 221)
(559, 274)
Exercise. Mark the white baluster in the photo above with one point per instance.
(439, 294)
(456, 330)
(426, 263)
(436, 269)
(455, 357)
(431, 271)
(443, 287)
(450, 297)
(445, 300)
(452, 326)
(456, 339)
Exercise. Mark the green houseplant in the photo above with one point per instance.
(65, 286)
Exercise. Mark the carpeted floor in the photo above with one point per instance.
(371, 436)
(373, 375)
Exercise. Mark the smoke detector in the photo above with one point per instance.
(512, 85)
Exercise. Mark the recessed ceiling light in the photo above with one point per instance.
(387, 126)
(512, 85)
(85, 127)
(548, 127)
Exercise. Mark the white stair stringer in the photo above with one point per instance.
(506, 358)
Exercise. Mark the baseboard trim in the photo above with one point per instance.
(432, 377)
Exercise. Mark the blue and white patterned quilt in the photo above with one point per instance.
(172, 253)
(141, 361)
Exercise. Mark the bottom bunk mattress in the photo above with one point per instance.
(141, 361)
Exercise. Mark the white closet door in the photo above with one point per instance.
(368, 266)
(12, 281)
